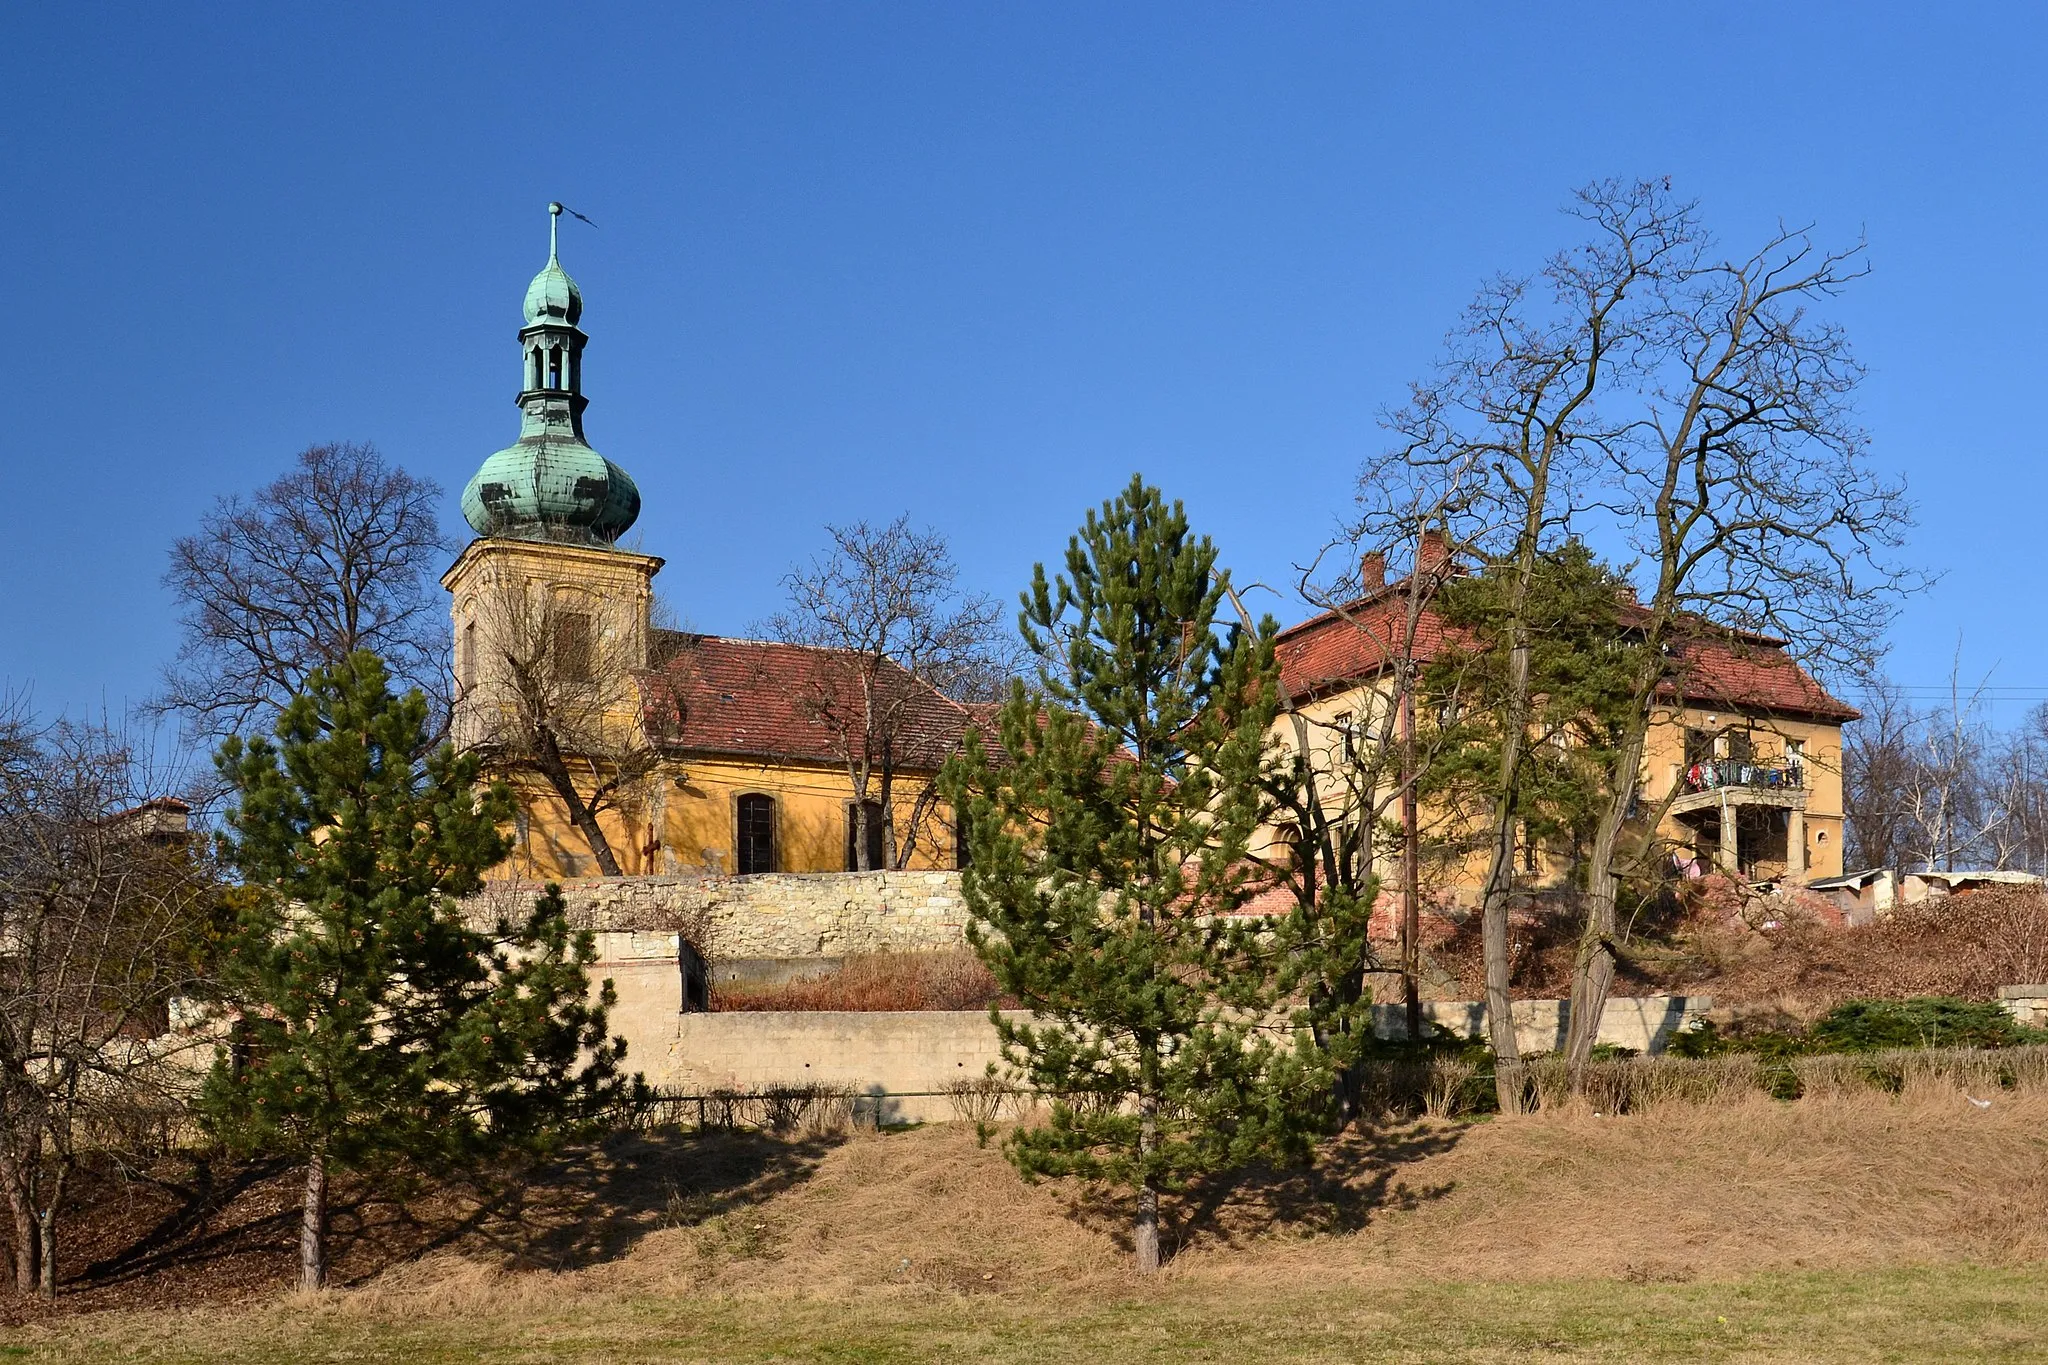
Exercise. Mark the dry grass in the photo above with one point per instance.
(1946, 1314)
(1860, 1225)
(1909, 1227)
(1684, 1190)
(948, 980)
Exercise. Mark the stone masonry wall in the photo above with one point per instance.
(779, 915)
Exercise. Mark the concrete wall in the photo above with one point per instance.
(1644, 1023)
(872, 1053)
(902, 1053)
(2028, 1005)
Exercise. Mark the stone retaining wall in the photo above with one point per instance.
(775, 915)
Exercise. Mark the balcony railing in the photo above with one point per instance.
(1728, 772)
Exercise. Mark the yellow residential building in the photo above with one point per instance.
(1743, 762)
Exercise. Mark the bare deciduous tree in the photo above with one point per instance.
(338, 555)
(1939, 789)
(556, 696)
(1744, 480)
(1643, 387)
(104, 909)
(1346, 785)
(1502, 442)
(893, 638)
(1879, 772)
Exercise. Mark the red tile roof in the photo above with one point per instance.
(1742, 671)
(764, 699)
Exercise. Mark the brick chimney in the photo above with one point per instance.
(1433, 553)
(1372, 571)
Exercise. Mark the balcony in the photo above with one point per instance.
(1726, 782)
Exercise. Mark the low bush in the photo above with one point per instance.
(1930, 1021)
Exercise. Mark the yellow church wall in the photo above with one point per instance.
(811, 804)
(685, 818)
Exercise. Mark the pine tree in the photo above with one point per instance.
(376, 1025)
(1108, 847)
(1582, 658)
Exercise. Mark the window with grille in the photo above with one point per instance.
(874, 810)
(754, 841)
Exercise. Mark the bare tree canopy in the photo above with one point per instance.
(1940, 789)
(105, 911)
(1645, 389)
(884, 609)
(339, 555)
(555, 695)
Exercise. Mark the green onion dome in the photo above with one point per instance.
(550, 489)
(549, 484)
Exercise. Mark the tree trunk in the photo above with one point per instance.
(46, 1239)
(1145, 1228)
(1411, 869)
(26, 1241)
(1593, 968)
(313, 1226)
(556, 770)
(1500, 878)
(888, 797)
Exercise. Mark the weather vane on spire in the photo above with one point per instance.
(556, 208)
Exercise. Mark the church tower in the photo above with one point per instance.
(544, 589)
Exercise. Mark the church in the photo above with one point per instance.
(634, 749)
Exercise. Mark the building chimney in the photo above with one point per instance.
(1433, 553)
(1372, 572)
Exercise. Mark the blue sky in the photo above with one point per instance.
(976, 262)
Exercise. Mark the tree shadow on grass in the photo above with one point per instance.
(1356, 1177)
(598, 1205)
(198, 1230)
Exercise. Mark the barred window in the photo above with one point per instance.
(754, 841)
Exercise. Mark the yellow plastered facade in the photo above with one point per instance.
(684, 815)
(1690, 825)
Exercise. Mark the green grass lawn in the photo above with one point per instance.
(1916, 1315)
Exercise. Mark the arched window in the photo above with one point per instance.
(533, 371)
(754, 839)
(554, 367)
(465, 665)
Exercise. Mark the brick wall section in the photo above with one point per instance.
(777, 915)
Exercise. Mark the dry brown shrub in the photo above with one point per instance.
(1967, 946)
(951, 979)
(1449, 1076)
(984, 1099)
(1542, 945)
